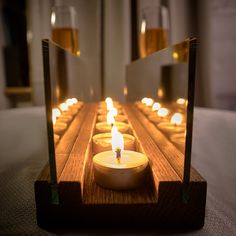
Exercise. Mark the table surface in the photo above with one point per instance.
(23, 150)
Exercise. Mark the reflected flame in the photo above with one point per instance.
(163, 112)
(110, 119)
(176, 119)
(69, 102)
(63, 106)
(181, 101)
(156, 106)
(144, 100)
(117, 139)
(160, 93)
(74, 100)
(143, 26)
(56, 112)
(109, 103)
(175, 55)
(149, 102)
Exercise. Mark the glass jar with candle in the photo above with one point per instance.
(64, 25)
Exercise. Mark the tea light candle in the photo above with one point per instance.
(174, 126)
(67, 110)
(150, 110)
(120, 118)
(56, 138)
(103, 111)
(59, 128)
(104, 127)
(179, 141)
(65, 118)
(161, 116)
(119, 169)
(102, 142)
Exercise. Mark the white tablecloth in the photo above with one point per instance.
(23, 150)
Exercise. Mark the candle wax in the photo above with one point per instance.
(103, 127)
(129, 173)
(102, 142)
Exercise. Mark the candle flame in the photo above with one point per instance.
(117, 139)
(56, 112)
(69, 102)
(113, 111)
(156, 106)
(144, 100)
(181, 101)
(109, 103)
(74, 100)
(54, 119)
(110, 118)
(162, 112)
(63, 106)
(143, 26)
(176, 119)
(149, 102)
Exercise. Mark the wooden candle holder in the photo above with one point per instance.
(82, 202)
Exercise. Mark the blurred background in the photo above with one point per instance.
(109, 37)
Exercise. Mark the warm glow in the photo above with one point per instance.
(176, 119)
(56, 112)
(160, 93)
(156, 106)
(54, 119)
(109, 103)
(162, 112)
(143, 26)
(149, 102)
(69, 102)
(175, 55)
(110, 119)
(113, 111)
(74, 100)
(117, 139)
(63, 106)
(53, 18)
(144, 100)
(181, 101)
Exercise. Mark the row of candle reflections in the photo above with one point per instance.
(116, 164)
(63, 115)
(169, 119)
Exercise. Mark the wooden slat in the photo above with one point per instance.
(162, 169)
(174, 156)
(66, 143)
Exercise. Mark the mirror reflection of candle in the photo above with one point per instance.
(110, 119)
(58, 127)
(156, 106)
(162, 112)
(176, 119)
(174, 126)
(65, 109)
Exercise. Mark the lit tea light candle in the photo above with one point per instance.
(65, 109)
(58, 127)
(102, 142)
(179, 141)
(119, 169)
(154, 108)
(174, 126)
(161, 115)
(61, 117)
(181, 104)
(120, 118)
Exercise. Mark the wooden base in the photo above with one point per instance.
(81, 201)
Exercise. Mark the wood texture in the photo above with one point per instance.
(157, 202)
